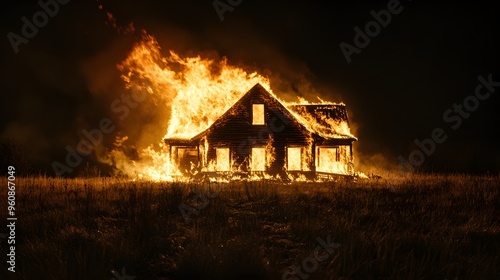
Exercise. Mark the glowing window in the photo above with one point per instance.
(258, 114)
(223, 162)
(327, 159)
(294, 159)
(258, 159)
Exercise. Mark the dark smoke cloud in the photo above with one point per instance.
(396, 90)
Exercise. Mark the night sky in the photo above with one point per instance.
(398, 87)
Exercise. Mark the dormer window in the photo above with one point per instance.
(258, 114)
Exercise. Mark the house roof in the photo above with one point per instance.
(328, 121)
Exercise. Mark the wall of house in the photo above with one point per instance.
(259, 134)
(237, 132)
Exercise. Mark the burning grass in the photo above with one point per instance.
(421, 227)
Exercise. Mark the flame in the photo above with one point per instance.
(223, 159)
(333, 129)
(196, 95)
(294, 159)
(333, 160)
(195, 92)
(258, 159)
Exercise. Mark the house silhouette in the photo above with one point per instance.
(259, 136)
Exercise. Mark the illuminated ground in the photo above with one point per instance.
(423, 227)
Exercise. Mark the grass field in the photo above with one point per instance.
(419, 227)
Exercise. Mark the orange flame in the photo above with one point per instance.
(197, 91)
(196, 95)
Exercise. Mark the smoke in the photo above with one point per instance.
(73, 90)
(159, 77)
(290, 77)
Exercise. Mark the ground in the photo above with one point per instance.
(416, 227)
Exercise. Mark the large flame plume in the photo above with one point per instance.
(195, 90)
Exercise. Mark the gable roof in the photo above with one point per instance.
(259, 92)
(328, 121)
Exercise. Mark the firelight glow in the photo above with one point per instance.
(197, 96)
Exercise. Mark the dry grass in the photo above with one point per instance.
(421, 227)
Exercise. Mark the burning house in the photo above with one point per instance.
(259, 136)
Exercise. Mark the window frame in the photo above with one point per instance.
(288, 158)
(262, 114)
(217, 164)
(252, 162)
